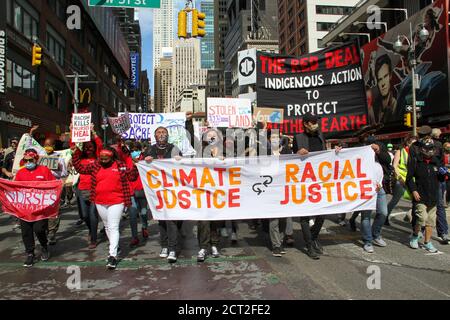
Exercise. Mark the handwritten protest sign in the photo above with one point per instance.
(81, 127)
(49, 161)
(143, 126)
(262, 187)
(229, 113)
(121, 124)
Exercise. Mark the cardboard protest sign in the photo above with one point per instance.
(50, 162)
(81, 127)
(262, 187)
(229, 113)
(269, 115)
(121, 124)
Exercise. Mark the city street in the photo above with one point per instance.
(244, 271)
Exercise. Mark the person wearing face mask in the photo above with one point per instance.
(34, 172)
(110, 192)
(400, 166)
(422, 181)
(60, 174)
(89, 155)
(168, 229)
(138, 200)
(310, 140)
(208, 235)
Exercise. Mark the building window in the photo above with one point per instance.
(324, 26)
(53, 95)
(56, 46)
(92, 49)
(21, 80)
(334, 10)
(291, 43)
(25, 23)
(320, 44)
(291, 28)
(302, 32)
(76, 61)
(303, 49)
(301, 16)
(59, 7)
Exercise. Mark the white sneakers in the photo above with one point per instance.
(201, 256)
(233, 237)
(172, 257)
(164, 253)
(215, 253)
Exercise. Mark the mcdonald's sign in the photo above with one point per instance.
(85, 96)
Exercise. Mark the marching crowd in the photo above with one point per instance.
(109, 185)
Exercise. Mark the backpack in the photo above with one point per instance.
(389, 180)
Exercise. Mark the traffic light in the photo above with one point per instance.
(198, 23)
(182, 24)
(408, 120)
(36, 55)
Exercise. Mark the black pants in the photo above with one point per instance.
(29, 229)
(208, 234)
(311, 233)
(168, 231)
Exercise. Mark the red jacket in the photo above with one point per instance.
(116, 177)
(41, 173)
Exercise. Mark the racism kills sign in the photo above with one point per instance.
(328, 83)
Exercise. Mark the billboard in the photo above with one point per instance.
(387, 73)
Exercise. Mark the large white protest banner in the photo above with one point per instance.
(262, 187)
(143, 126)
(81, 127)
(229, 113)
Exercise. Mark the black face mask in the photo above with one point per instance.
(106, 165)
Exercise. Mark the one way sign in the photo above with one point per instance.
(247, 67)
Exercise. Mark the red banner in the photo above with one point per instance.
(31, 200)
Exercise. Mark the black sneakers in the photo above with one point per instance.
(45, 255)
(317, 247)
(312, 253)
(276, 252)
(30, 261)
(112, 263)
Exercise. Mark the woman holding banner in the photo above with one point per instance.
(34, 172)
(110, 191)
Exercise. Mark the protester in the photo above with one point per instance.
(422, 181)
(311, 140)
(8, 162)
(110, 191)
(400, 166)
(59, 174)
(34, 172)
(138, 200)
(90, 153)
(390, 149)
(208, 235)
(168, 229)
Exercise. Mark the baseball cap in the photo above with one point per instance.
(424, 130)
(389, 145)
(309, 117)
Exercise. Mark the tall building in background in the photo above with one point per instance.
(220, 32)
(252, 24)
(163, 34)
(163, 83)
(303, 24)
(207, 43)
(186, 68)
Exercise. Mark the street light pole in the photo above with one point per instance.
(76, 77)
(413, 77)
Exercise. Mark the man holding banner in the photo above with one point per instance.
(33, 203)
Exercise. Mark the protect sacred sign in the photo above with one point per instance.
(327, 83)
(262, 187)
(81, 127)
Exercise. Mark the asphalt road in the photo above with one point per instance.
(246, 270)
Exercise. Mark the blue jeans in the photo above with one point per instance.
(138, 205)
(399, 190)
(89, 215)
(374, 232)
(441, 217)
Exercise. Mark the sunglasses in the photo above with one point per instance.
(28, 160)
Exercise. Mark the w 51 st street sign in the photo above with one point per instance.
(126, 3)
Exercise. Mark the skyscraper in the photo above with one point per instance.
(163, 83)
(207, 43)
(163, 35)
